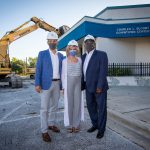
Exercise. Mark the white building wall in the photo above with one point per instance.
(118, 50)
(142, 52)
(125, 13)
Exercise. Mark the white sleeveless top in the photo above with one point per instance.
(74, 69)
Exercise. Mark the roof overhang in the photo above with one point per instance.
(122, 28)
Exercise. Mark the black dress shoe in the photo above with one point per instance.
(99, 135)
(92, 129)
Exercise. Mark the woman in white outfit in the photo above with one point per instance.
(71, 82)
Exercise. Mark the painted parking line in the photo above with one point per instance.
(14, 101)
(24, 118)
(19, 119)
(10, 113)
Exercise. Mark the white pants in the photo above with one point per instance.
(49, 105)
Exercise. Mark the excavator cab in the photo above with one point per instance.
(63, 29)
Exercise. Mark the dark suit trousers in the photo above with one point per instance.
(97, 108)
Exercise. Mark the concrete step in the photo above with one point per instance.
(132, 129)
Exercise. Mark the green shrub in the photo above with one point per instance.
(117, 71)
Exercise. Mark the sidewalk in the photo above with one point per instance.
(129, 107)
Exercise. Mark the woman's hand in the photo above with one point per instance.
(63, 91)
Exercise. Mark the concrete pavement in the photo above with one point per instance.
(129, 108)
(20, 123)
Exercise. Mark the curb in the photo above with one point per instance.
(136, 125)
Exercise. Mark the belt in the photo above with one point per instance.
(55, 79)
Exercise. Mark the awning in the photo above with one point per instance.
(106, 29)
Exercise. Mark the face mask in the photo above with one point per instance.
(52, 46)
(72, 52)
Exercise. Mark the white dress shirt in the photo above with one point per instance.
(55, 65)
(86, 62)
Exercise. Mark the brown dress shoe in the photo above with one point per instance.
(54, 129)
(46, 137)
(70, 130)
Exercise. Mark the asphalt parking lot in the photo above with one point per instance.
(20, 126)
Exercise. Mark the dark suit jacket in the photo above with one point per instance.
(96, 73)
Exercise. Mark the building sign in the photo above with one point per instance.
(118, 30)
(133, 30)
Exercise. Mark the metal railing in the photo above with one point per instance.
(129, 69)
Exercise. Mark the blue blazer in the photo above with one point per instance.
(44, 69)
(96, 73)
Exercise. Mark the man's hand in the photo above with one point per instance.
(38, 89)
(98, 91)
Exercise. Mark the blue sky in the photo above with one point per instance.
(55, 12)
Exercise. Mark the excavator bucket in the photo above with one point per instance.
(63, 29)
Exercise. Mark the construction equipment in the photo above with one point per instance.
(5, 66)
(30, 72)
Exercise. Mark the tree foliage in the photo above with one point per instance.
(19, 65)
(32, 62)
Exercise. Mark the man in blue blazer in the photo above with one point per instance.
(47, 83)
(94, 81)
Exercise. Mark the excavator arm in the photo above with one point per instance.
(21, 31)
(13, 35)
(7, 40)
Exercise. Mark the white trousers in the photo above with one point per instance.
(49, 105)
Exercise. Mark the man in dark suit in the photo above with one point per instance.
(94, 81)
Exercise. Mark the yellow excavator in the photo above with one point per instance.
(6, 74)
